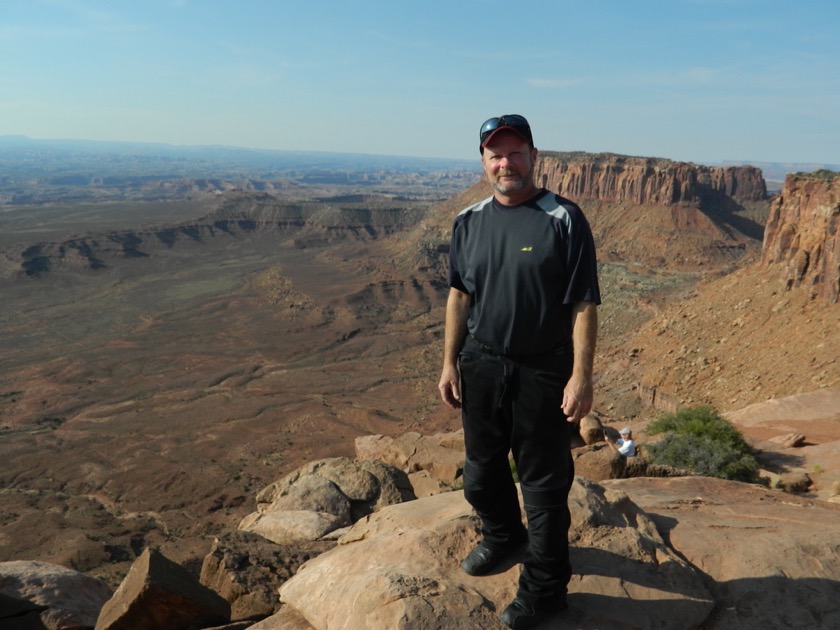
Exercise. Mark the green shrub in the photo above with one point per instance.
(700, 440)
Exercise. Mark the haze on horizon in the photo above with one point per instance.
(695, 80)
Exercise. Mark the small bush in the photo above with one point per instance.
(700, 440)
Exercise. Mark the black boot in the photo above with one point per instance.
(492, 494)
(521, 614)
(485, 559)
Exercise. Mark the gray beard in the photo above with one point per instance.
(519, 184)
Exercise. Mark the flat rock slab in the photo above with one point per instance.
(773, 559)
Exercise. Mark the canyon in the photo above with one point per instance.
(156, 376)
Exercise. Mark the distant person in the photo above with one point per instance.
(521, 326)
(623, 445)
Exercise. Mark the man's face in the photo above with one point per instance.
(508, 161)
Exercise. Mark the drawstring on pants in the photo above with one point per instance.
(507, 389)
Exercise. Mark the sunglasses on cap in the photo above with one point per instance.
(514, 122)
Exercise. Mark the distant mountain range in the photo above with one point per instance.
(24, 156)
(19, 154)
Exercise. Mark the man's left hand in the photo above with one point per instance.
(577, 398)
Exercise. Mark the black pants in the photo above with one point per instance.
(515, 406)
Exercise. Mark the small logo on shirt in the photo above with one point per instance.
(526, 249)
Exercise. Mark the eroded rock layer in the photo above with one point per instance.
(618, 178)
(801, 236)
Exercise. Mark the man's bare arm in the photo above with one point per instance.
(457, 312)
(578, 394)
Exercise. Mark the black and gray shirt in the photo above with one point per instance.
(524, 267)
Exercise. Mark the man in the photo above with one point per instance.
(623, 445)
(521, 323)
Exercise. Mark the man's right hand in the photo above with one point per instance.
(450, 386)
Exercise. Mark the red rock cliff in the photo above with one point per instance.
(803, 233)
(660, 212)
(646, 181)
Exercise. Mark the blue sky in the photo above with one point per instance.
(694, 80)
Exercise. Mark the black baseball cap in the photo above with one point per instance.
(512, 122)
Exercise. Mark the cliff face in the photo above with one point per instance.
(659, 212)
(803, 234)
(645, 181)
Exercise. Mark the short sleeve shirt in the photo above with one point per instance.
(524, 267)
(626, 447)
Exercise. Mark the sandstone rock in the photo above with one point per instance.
(687, 217)
(157, 593)
(247, 569)
(367, 484)
(598, 462)
(317, 494)
(287, 527)
(802, 235)
(591, 430)
(399, 568)
(442, 455)
(795, 482)
(620, 178)
(287, 619)
(772, 559)
(71, 599)
(307, 509)
(815, 414)
(789, 440)
(424, 485)
(324, 496)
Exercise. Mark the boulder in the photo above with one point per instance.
(325, 496)
(442, 454)
(597, 462)
(288, 527)
(424, 485)
(367, 484)
(591, 430)
(796, 482)
(70, 599)
(399, 567)
(247, 569)
(789, 440)
(157, 593)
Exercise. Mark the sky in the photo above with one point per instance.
(705, 81)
